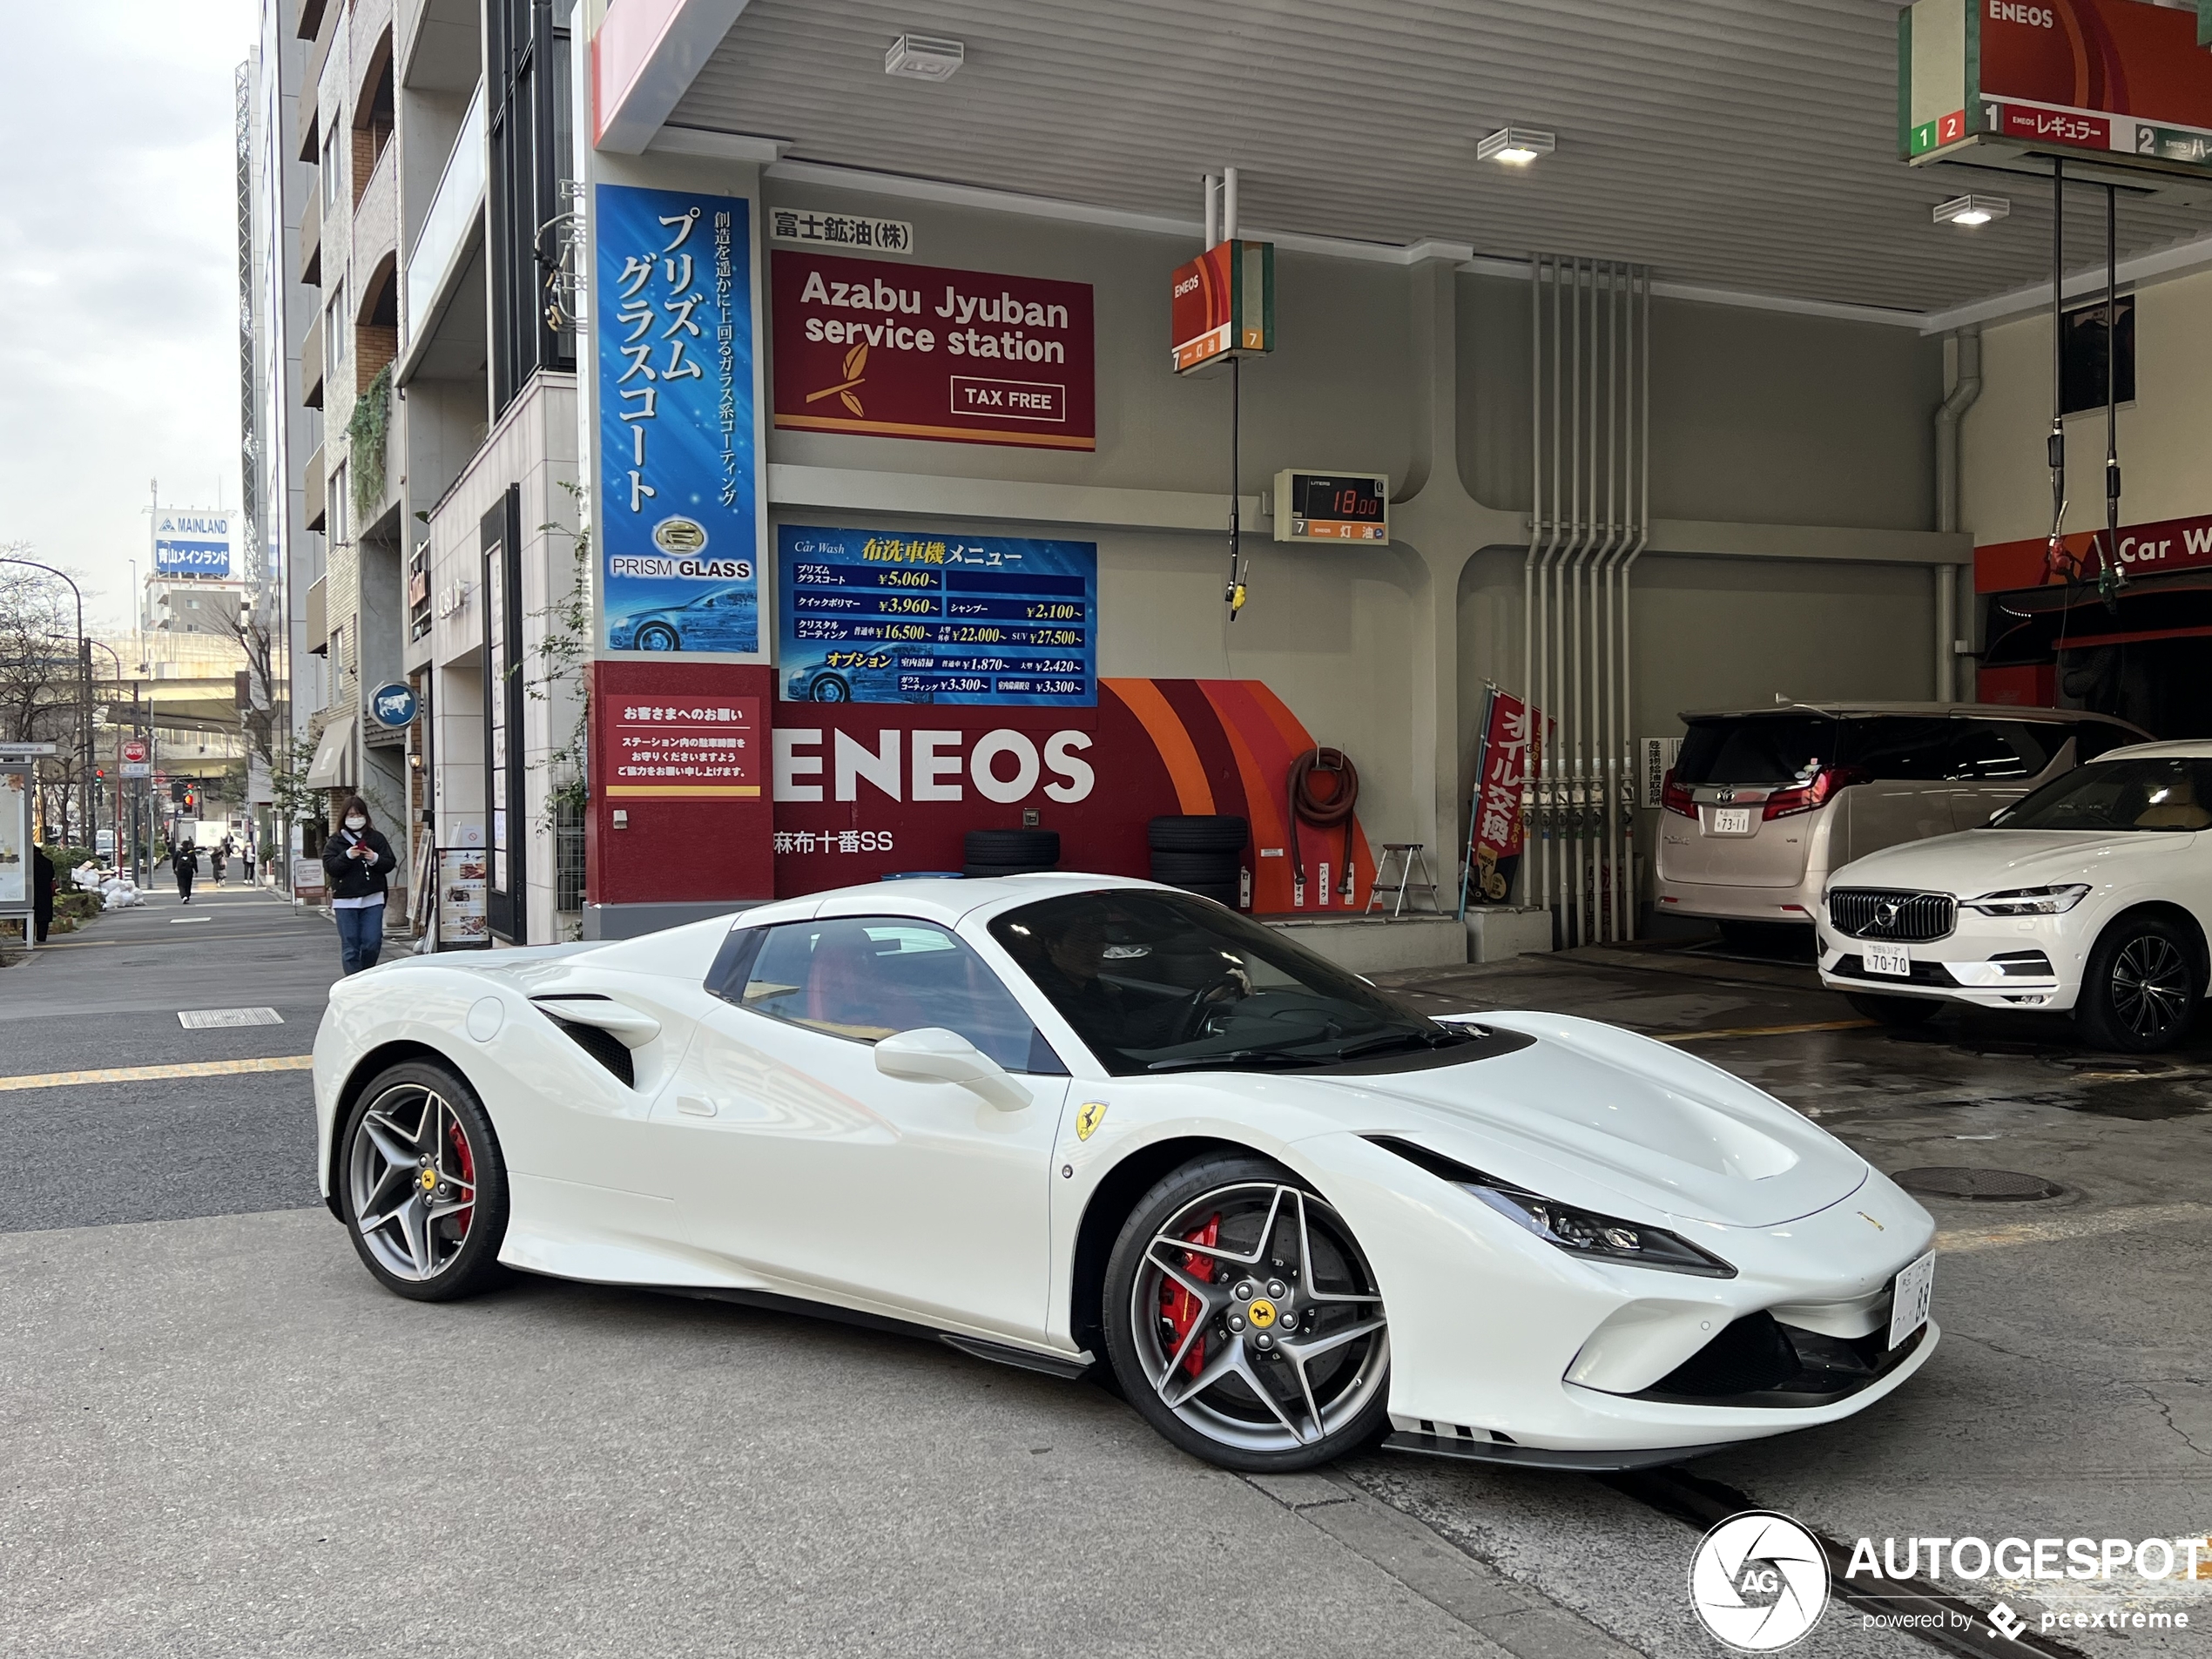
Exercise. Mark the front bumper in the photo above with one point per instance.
(1968, 966)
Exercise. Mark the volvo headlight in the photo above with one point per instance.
(2029, 901)
(1568, 1227)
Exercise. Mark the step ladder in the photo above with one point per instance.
(1413, 859)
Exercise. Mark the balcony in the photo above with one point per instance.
(313, 507)
(311, 244)
(456, 209)
(310, 365)
(318, 619)
(309, 22)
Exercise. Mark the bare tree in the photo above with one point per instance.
(40, 700)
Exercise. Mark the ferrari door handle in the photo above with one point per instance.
(695, 1106)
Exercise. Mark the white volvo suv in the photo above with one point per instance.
(2092, 895)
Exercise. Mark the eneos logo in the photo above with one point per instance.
(2011, 11)
(1186, 284)
(1758, 1582)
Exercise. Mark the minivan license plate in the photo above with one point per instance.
(1909, 1303)
(1731, 820)
(1888, 958)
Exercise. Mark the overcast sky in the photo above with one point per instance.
(119, 279)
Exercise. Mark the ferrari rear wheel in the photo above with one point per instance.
(423, 1184)
(1243, 1321)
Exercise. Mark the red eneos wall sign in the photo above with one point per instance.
(887, 349)
(2144, 549)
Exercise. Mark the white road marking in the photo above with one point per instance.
(178, 921)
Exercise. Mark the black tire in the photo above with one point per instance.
(1226, 1423)
(462, 1248)
(1178, 868)
(655, 636)
(2141, 989)
(1898, 1013)
(1197, 833)
(1022, 849)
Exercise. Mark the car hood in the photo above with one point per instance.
(1990, 860)
(1593, 1114)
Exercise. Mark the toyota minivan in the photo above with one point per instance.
(1762, 804)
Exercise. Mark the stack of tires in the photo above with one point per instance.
(1008, 852)
(1201, 854)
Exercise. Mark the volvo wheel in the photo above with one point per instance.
(1242, 1320)
(423, 1186)
(2139, 990)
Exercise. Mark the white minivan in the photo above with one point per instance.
(1762, 803)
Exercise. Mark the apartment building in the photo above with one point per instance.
(439, 493)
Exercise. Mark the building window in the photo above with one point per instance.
(337, 506)
(530, 134)
(330, 181)
(2083, 353)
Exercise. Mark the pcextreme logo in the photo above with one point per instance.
(1758, 1582)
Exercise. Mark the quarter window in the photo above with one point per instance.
(870, 977)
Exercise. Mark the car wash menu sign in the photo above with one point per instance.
(679, 505)
(917, 351)
(885, 617)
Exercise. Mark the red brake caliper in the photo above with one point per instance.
(468, 1173)
(1179, 1307)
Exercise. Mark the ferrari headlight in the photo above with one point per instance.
(1577, 1232)
(2029, 901)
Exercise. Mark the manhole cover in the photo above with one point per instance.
(1951, 1181)
(219, 1019)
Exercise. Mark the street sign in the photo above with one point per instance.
(138, 769)
(27, 751)
(393, 704)
(135, 749)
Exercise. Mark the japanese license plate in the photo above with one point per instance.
(1731, 820)
(1888, 958)
(1909, 1303)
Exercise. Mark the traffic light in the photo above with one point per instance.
(178, 791)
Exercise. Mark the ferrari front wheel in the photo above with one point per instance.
(422, 1185)
(1243, 1321)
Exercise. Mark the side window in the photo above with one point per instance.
(1896, 746)
(864, 978)
(1983, 749)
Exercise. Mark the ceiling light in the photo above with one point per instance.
(919, 58)
(1516, 146)
(1972, 210)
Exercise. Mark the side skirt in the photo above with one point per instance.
(1067, 1367)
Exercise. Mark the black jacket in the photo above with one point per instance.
(357, 878)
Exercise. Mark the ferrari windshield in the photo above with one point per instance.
(1158, 981)
(2166, 792)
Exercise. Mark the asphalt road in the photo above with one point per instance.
(224, 1440)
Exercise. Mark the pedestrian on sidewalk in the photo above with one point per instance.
(184, 859)
(357, 858)
(42, 891)
(245, 856)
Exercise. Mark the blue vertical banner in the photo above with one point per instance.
(678, 474)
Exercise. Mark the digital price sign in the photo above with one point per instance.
(1333, 507)
(886, 617)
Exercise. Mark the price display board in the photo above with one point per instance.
(1331, 507)
(889, 617)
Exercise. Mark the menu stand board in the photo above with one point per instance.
(868, 617)
(309, 881)
(464, 920)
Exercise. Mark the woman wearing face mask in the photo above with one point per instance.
(357, 858)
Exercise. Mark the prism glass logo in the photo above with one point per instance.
(1758, 1582)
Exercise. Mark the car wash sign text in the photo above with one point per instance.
(678, 507)
(906, 351)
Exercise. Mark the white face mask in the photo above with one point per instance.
(356, 823)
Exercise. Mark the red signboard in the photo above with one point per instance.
(867, 790)
(2144, 549)
(134, 749)
(679, 799)
(893, 350)
(2116, 57)
(1223, 301)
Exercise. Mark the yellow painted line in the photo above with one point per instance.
(2127, 1218)
(1767, 1030)
(159, 1074)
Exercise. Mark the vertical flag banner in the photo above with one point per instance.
(1501, 768)
(678, 474)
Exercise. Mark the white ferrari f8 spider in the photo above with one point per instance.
(1070, 1121)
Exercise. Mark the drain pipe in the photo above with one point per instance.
(1966, 387)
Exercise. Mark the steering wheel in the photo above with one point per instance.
(1193, 1011)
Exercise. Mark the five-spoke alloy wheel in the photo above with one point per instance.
(1244, 1322)
(421, 1185)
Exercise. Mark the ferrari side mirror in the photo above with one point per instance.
(931, 1054)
